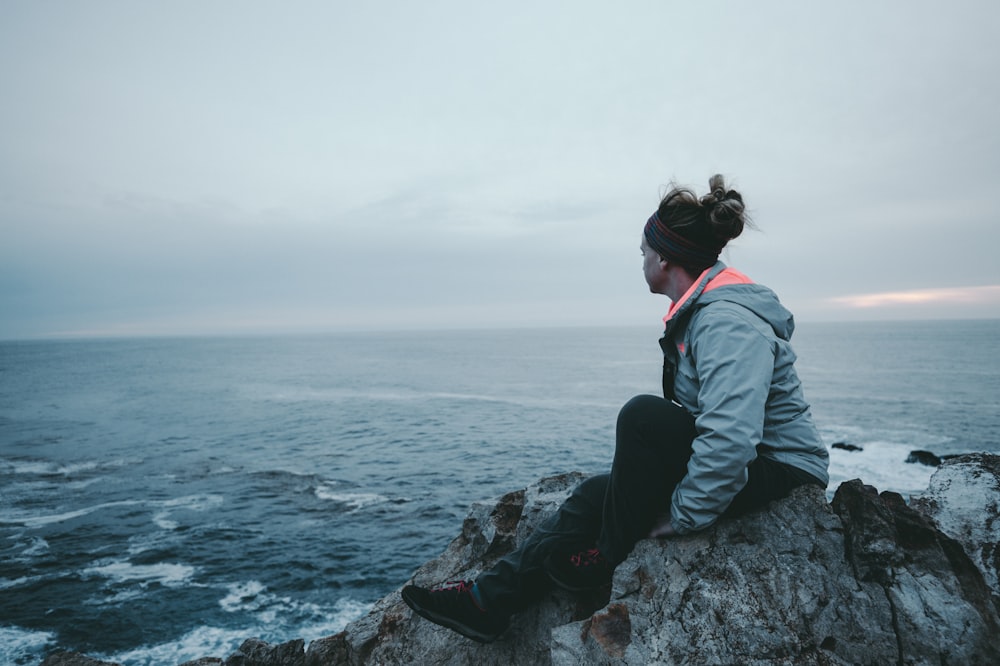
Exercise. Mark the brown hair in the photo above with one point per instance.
(710, 221)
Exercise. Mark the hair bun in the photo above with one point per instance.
(726, 212)
(716, 192)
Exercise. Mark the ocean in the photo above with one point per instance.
(163, 499)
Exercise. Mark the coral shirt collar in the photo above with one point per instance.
(726, 277)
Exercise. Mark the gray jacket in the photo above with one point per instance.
(728, 361)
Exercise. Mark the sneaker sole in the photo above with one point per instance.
(451, 623)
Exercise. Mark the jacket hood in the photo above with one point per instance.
(720, 283)
(758, 299)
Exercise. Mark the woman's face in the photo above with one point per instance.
(653, 268)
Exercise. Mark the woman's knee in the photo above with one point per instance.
(652, 411)
(592, 489)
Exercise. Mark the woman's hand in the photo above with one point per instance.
(662, 527)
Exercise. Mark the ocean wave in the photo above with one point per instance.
(193, 502)
(163, 520)
(334, 620)
(242, 596)
(882, 465)
(253, 597)
(44, 467)
(200, 642)
(8, 583)
(83, 483)
(123, 571)
(210, 641)
(117, 599)
(162, 540)
(879, 456)
(352, 500)
(41, 521)
(23, 646)
(34, 547)
(276, 619)
(284, 477)
(354, 394)
(47, 468)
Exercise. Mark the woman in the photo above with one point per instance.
(732, 432)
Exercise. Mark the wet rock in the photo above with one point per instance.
(963, 498)
(865, 579)
(254, 652)
(846, 447)
(74, 659)
(924, 458)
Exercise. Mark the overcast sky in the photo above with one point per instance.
(247, 166)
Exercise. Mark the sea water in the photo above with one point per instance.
(165, 499)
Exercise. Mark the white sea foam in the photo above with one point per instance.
(344, 612)
(194, 502)
(164, 573)
(217, 642)
(200, 642)
(163, 520)
(41, 521)
(880, 464)
(44, 467)
(118, 598)
(141, 543)
(253, 597)
(83, 483)
(30, 549)
(243, 596)
(354, 501)
(23, 646)
(7, 583)
(27, 467)
(312, 620)
(221, 643)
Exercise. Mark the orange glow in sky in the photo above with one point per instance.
(986, 295)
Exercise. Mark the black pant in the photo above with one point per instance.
(613, 511)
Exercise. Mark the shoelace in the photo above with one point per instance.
(461, 587)
(454, 586)
(587, 558)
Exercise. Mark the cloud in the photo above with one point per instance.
(984, 296)
(445, 163)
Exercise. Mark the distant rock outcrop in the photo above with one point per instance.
(964, 501)
(843, 446)
(866, 579)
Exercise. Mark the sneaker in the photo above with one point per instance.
(452, 605)
(579, 571)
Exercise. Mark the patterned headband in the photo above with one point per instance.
(673, 247)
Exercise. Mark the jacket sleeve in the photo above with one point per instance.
(734, 361)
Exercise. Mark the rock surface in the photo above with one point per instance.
(865, 579)
(963, 498)
(74, 659)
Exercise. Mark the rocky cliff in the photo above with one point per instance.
(864, 579)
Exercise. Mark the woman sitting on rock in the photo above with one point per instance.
(731, 433)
